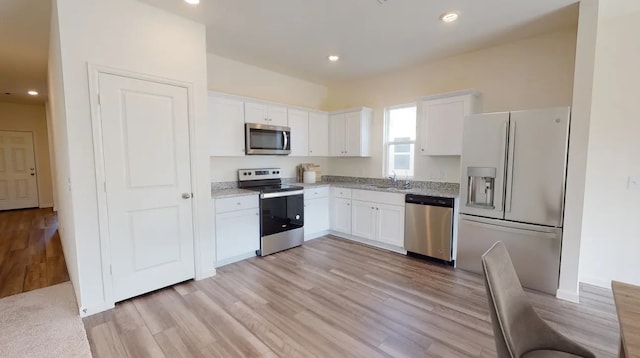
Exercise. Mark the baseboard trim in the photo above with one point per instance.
(376, 244)
(205, 274)
(237, 258)
(88, 311)
(594, 281)
(46, 205)
(317, 235)
(567, 295)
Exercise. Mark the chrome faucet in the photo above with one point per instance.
(394, 179)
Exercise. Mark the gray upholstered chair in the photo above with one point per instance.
(518, 330)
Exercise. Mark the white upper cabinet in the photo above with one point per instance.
(318, 134)
(299, 124)
(226, 125)
(441, 120)
(350, 133)
(263, 113)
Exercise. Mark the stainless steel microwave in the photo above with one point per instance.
(261, 139)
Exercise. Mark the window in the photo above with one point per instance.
(400, 140)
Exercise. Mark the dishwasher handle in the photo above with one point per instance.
(429, 200)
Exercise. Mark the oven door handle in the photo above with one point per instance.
(281, 194)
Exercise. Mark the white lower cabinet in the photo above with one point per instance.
(378, 222)
(316, 217)
(341, 215)
(390, 224)
(316, 212)
(378, 216)
(363, 219)
(238, 231)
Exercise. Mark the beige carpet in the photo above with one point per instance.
(42, 323)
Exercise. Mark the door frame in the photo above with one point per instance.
(35, 160)
(94, 72)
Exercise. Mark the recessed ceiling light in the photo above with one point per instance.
(333, 58)
(192, 2)
(449, 16)
(33, 93)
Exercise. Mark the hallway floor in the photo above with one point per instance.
(31, 254)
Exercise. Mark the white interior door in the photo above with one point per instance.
(145, 133)
(18, 184)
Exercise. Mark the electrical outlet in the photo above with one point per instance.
(633, 183)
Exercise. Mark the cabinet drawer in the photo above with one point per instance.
(341, 193)
(379, 197)
(235, 203)
(317, 192)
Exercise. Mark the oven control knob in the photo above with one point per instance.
(297, 217)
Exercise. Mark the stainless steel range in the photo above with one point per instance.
(281, 209)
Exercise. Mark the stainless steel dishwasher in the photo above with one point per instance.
(428, 226)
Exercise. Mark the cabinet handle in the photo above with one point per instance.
(377, 208)
(348, 204)
(238, 203)
(422, 149)
(372, 208)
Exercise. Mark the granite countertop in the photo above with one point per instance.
(227, 193)
(443, 191)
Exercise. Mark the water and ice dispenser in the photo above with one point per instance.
(481, 185)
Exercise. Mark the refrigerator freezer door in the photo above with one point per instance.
(484, 147)
(534, 250)
(536, 168)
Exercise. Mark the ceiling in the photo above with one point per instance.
(24, 39)
(296, 36)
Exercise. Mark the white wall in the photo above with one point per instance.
(530, 73)
(126, 35)
(32, 118)
(611, 225)
(233, 77)
(57, 110)
(578, 145)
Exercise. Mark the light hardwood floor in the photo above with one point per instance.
(31, 255)
(331, 298)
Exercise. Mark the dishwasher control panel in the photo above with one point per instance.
(429, 200)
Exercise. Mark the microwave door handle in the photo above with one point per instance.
(286, 140)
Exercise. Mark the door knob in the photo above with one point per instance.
(186, 195)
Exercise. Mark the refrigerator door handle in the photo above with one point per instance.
(538, 234)
(510, 164)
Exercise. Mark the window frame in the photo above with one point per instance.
(388, 143)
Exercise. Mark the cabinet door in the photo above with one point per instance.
(277, 115)
(337, 135)
(299, 124)
(390, 224)
(255, 112)
(353, 138)
(341, 215)
(318, 134)
(363, 219)
(316, 216)
(237, 233)
(442, 124)
(226, 122)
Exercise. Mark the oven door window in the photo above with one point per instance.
(282, 214)
(268, 139)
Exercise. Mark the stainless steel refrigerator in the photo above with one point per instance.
(512, 190)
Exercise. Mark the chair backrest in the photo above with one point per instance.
(508, 304)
